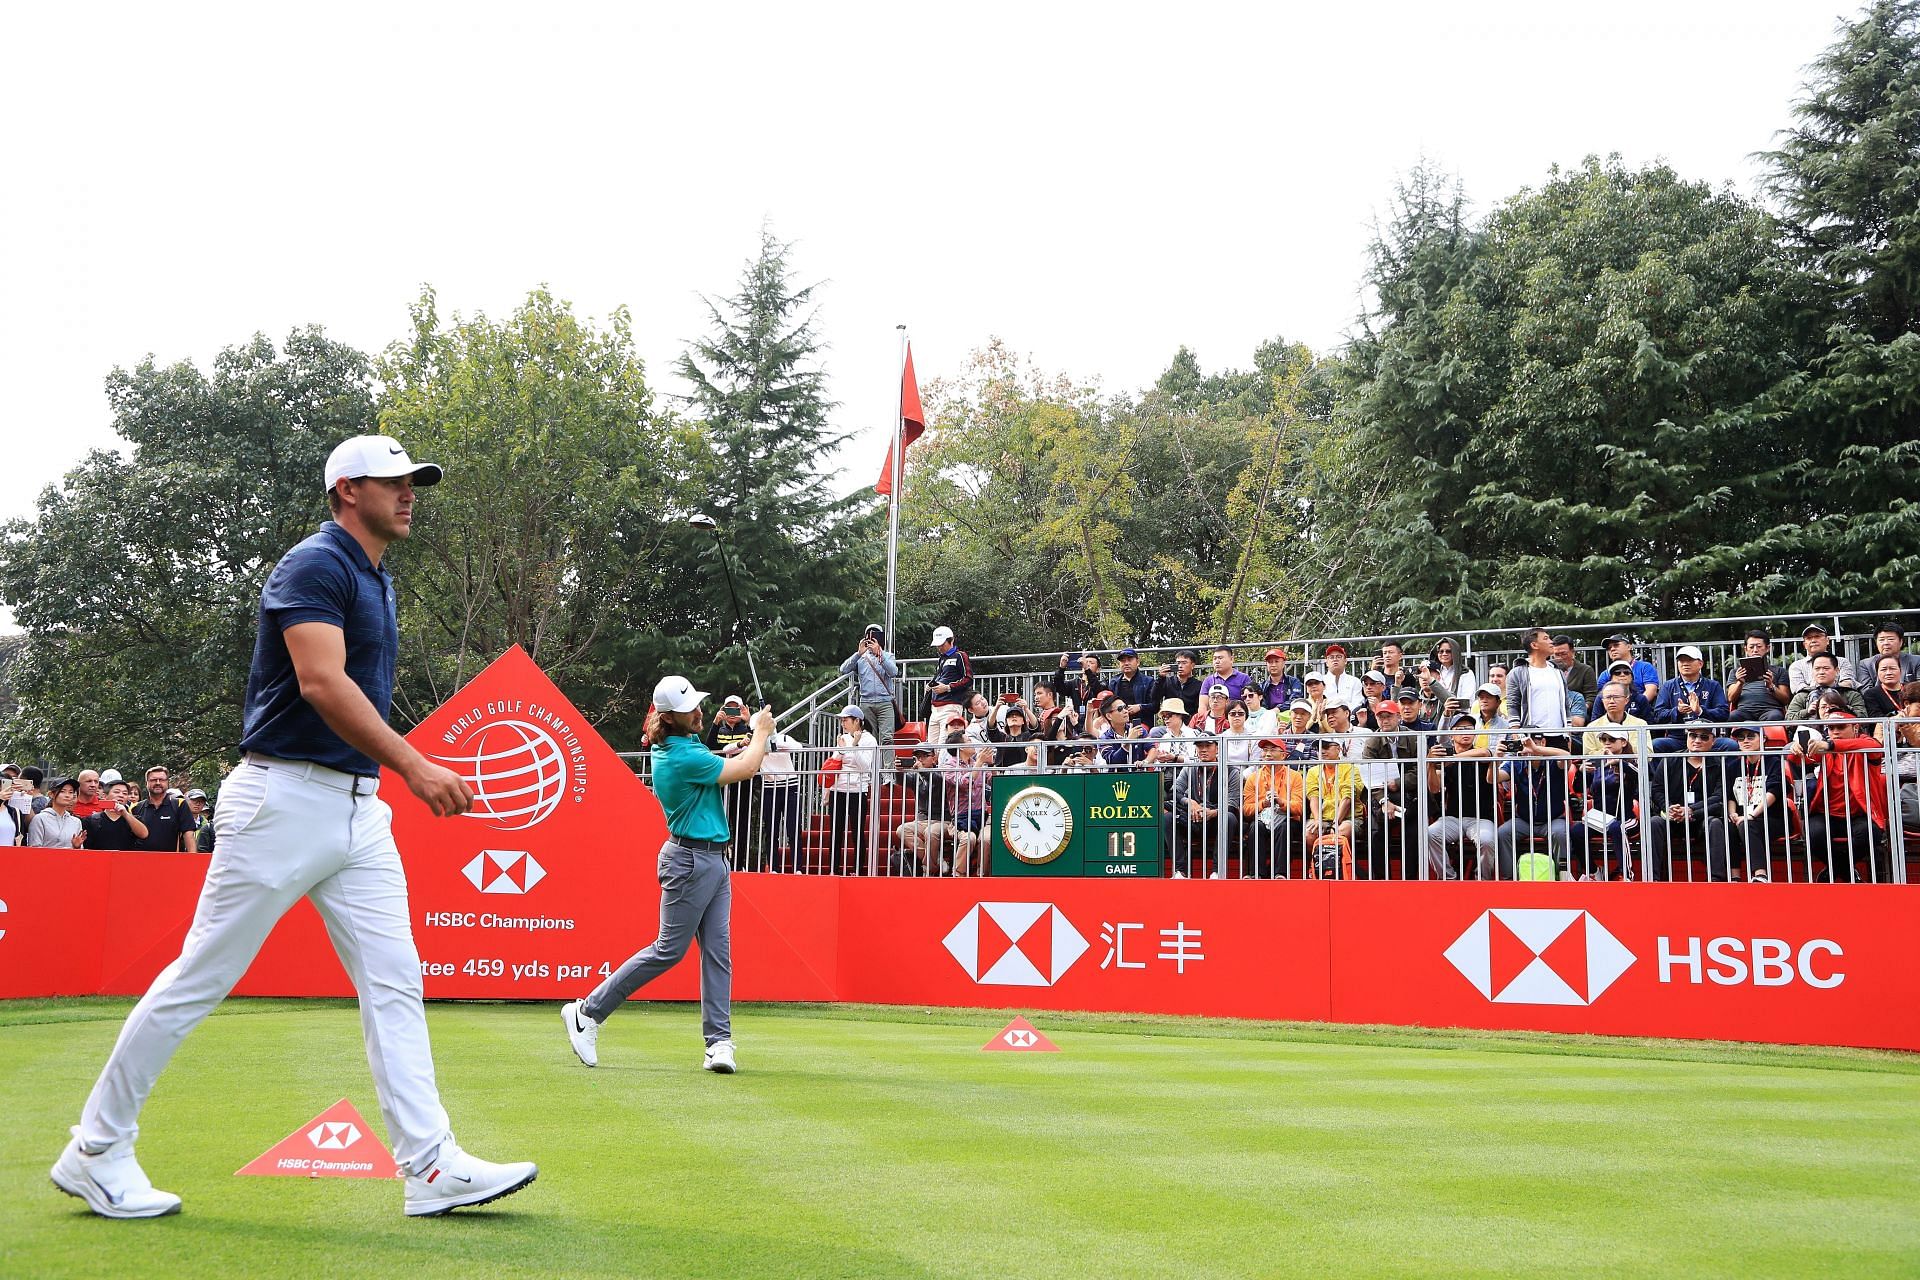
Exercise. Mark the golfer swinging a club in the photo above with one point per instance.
(696, 897)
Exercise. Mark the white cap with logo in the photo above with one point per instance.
(377, 457)
(942, 635)
(676, 693)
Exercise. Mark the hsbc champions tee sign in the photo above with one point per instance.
(537, 891)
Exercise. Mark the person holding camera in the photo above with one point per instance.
(1534, 778)
(1181, 679)
(1055, 720)
(876, 679)
(117, 826)
(24, 800)
(1847, 811)
(1079, 678)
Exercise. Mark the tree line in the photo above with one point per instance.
(1618, 393)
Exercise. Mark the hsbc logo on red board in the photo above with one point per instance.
(330, 1135)
(1015, 944)
(503, 871)
(1536, 955)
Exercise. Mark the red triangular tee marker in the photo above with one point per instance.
(1019, 1036)
(337, 1143)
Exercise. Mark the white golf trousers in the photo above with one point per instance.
(287, 830)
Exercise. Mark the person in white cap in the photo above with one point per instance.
(300, 818)
(1690, 695)
(696, 894)
(951, 686)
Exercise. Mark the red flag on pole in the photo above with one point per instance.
(912, 422)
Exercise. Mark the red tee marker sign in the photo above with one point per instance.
(334, 1144)
(1019, 1036)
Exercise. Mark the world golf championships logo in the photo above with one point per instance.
(520, 758)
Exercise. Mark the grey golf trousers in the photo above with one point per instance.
(696, 904)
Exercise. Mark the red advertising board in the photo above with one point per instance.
(1818, 964)
(1232, 948)
(550, 883)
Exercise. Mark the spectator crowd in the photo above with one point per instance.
(102, 809)
(1398, 765)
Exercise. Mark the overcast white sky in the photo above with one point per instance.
(1094, 184)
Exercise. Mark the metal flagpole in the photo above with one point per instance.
(893, 503)
(876, 795)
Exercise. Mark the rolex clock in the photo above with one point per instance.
(1036, 825)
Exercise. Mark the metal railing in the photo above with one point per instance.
(1793, 803)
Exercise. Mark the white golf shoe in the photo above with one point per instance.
(112, 1183)
(458, 1181)
(720, 1057)
(583, 1033)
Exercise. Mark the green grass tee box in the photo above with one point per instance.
(882, 1142)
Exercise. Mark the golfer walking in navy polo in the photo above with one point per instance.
(300, 817)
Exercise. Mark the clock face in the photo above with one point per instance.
(1037, 825)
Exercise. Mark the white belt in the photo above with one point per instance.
(358, 784)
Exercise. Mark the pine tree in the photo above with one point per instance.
(806, 564)
(1847, 179)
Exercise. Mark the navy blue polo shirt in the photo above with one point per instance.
(328, 578)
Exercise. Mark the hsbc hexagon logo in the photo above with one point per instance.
(330, 1135)
(1015, 944)
(503, 871)
(1536, 955)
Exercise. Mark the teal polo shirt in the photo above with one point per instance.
(686, 777)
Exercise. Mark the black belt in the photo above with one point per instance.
(698, 846)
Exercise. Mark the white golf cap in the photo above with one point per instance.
(1490, 687)
(852, 709)
(676, 693)
(110, 777)
(1688, 651)
(1314, 677)
(379, 457)
(942, 635)
(1379, 676)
